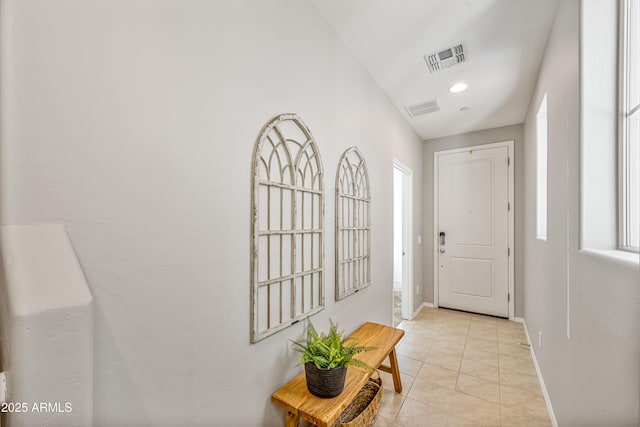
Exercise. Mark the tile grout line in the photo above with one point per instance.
(466, 340)
(440, 333)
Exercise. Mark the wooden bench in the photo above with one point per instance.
(295, 398)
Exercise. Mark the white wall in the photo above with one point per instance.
(505, 133)
(593, 377)
(46, 313)
(133, 124)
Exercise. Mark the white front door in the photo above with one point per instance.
(473, 230)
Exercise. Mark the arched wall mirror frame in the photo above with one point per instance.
(353, 224)
(287, 227)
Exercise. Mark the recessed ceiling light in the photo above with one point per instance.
(458, 87)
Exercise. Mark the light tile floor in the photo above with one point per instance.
(462, 369)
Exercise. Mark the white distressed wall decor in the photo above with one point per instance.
(287, 232)
(353, 224)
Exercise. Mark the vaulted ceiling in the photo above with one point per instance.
(503, 41)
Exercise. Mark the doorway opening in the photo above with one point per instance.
(402, 247)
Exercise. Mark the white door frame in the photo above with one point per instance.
(510, 184)
(407, 262)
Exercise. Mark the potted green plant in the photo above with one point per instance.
(326, 357)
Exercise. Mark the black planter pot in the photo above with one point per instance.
(325, 382)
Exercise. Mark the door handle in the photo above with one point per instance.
(441, 250)
(442, 238)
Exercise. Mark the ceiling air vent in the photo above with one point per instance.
(445, 58)
(422, 108)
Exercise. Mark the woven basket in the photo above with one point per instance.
(362, 411)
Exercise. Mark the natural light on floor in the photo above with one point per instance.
(462, 369)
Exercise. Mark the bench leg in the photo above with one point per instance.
(292, 420)
(395, 371)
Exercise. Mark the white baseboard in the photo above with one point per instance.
(547, 400)
(423, 305)
(519, 320)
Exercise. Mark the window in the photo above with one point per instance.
(353, 225)
(629, 163)
(287, 228)
(541, 170)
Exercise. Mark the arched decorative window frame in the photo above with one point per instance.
(296, 228)
(353, 234)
